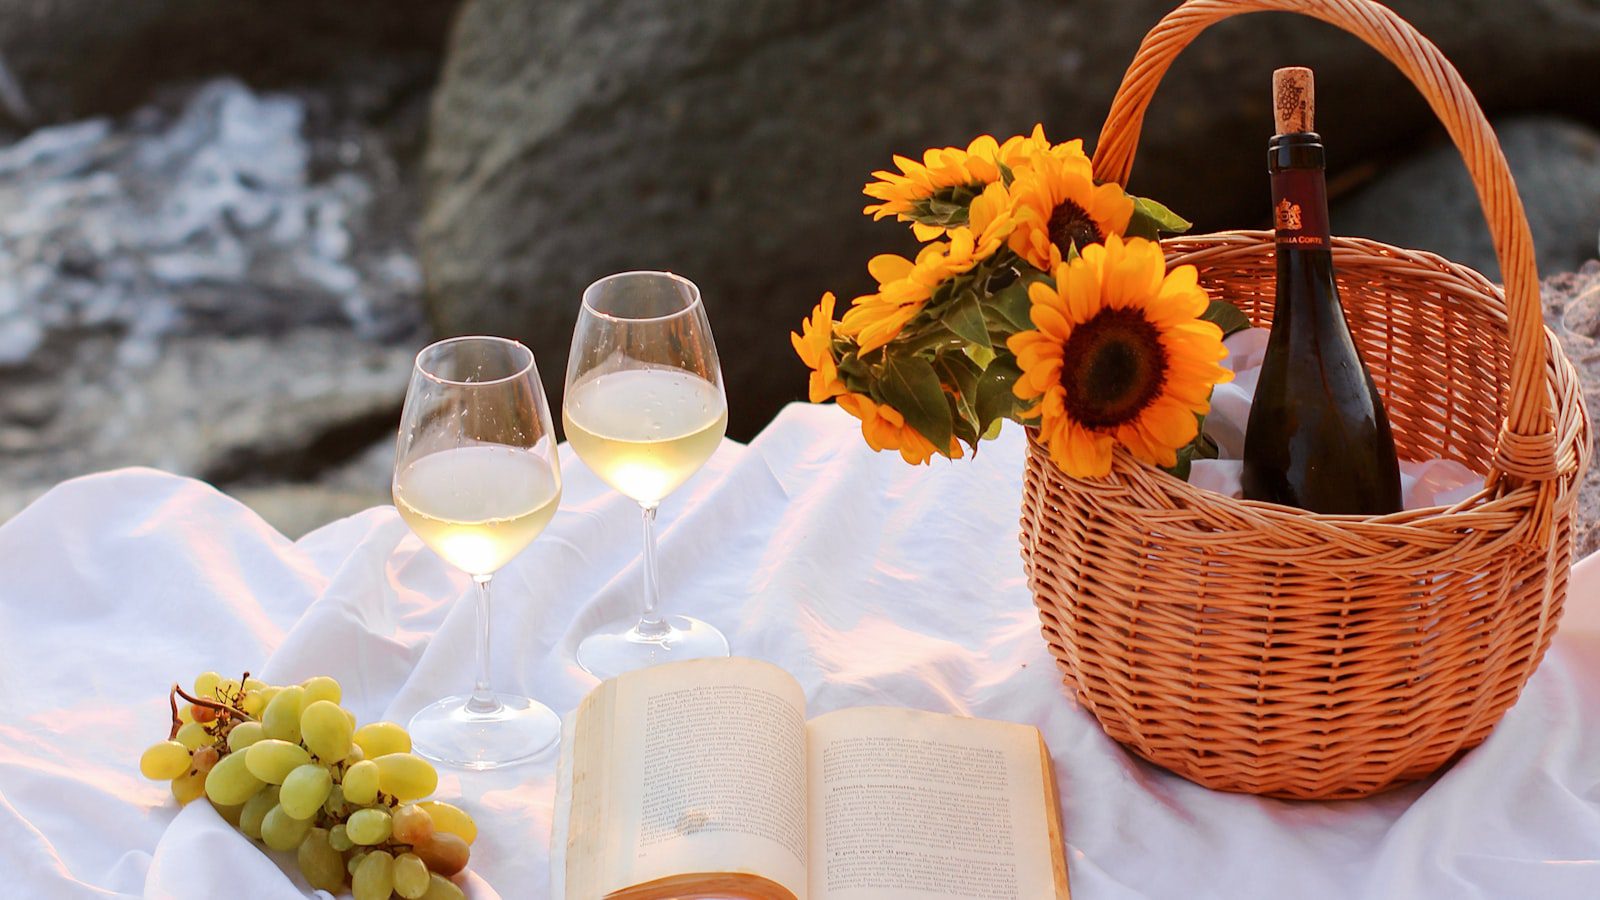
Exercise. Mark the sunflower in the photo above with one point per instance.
(953, 175)
(1119, 356)
(814, 344)
(990, 220)
(1057, 206)
(885, 429)
(906, 286)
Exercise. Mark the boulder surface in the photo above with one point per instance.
(728, 140)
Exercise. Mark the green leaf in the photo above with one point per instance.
(965, 318)
(1225, 316)
(956, 371)
(851, 366)
(960, 373)
(910, 385)
(1165, 219)
(980, 356)
(995, 399)
(947, 208)
(1013, 305)
(1180, 469)
(1202, 447)
(964, 433)
(1142, 227)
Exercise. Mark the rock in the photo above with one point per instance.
(69, 59)
(1429, 203)
(728, 141)
(296, 508)
(1572, 310)
(219, 284)
(202, 219)
(236, 411)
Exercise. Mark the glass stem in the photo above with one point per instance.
(482, 699)
(650, 623)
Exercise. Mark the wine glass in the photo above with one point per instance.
(644, 409)
(477, 478)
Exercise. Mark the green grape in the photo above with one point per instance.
(411, 824)
(164, 761)
(272, 760)
(381, 738)
(442, 888)
(406, 775)
(281, 719)
(304, 790)
(360, 783)
(355, 755)
(253, 684)
(320, 863)
(226, 688)
(453, 819)
(354, 862)
(230, 814)
(254, 703)
(206, 683)
(326, 731)
(229, 782)
(335, 805)
(321, 688)
(244, 734)
(444, 853)
(374, 878)
(185, 714)
(282, 831)
(193, 735)
(410, 876)
(339, 839)
(351, 716)
(369, 826)
(188, 786)
(255, 809)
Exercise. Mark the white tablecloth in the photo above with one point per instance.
(872, 582)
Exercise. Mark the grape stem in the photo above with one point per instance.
(222, 709)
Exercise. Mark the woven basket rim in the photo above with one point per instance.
(1391, 526)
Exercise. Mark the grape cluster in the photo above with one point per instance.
(287, 766)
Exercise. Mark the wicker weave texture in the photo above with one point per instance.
(1252, 647)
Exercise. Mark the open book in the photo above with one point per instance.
(703, 778)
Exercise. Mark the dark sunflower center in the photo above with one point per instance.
(1113, 366)
(1071, 226)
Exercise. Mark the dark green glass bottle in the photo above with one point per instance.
(1318, 437)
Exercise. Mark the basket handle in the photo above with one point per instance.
(1526, 448)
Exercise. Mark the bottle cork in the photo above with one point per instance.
(1293, 100)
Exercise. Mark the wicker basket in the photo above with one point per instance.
(1252, 647)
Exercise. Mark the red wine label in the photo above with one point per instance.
(1300, 208)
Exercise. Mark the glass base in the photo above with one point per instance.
(622, 647)
(517, 729)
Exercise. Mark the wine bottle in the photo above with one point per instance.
(1318, 437)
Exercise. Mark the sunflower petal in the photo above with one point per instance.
(887, 267)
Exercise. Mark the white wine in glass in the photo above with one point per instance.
(477, 478)
(644, 409)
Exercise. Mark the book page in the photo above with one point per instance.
(704, 773)
(909, 805)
